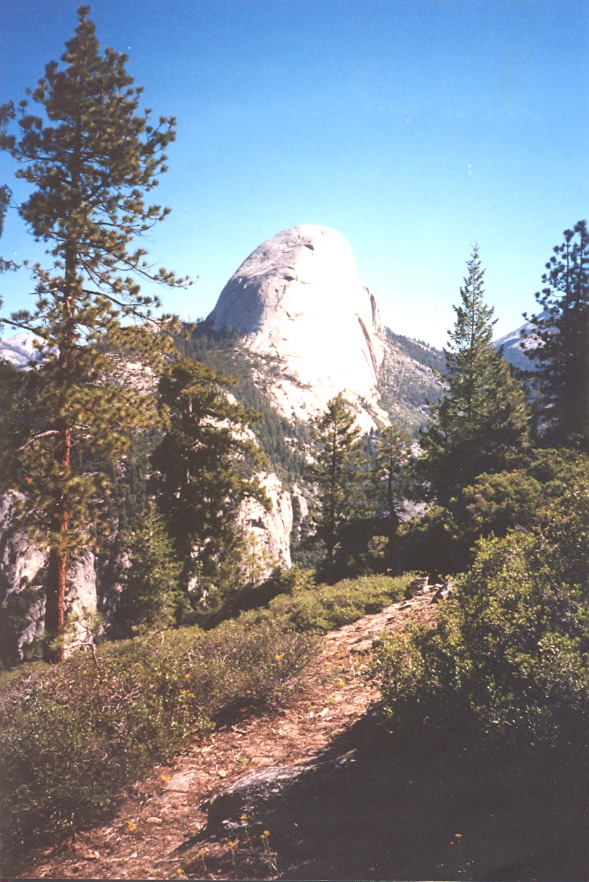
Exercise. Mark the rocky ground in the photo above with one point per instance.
(313, 790)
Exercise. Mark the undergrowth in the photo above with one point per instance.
(74, 736)
(321, 609)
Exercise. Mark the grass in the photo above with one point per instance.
(76, 735)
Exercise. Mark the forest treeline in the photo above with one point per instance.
(156, 469)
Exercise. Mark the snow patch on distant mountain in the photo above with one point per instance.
(515, 347)
(20, 349)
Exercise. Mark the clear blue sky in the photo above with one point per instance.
(416, 127)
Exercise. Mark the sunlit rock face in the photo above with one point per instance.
(23, 567)
(298, 299)
(20, 349)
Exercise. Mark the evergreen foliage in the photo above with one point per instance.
(508, 659)
(91, 159)
(558, 339)
(283, 441)
(337, 474)
(203, 468)
(150, 578)
(5, 192)
(481, 424)
(5, 195)
(389, 472)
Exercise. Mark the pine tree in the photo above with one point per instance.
(338, 472)
(91, 158)
(558, 340)
(5, 192)
(5, 195)
(203, 468)
(150, 579)
(481, 424)
(391, 459)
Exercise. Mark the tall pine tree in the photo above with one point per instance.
(481, 424)
(338, 472)
(558, 340)
(203, 468)
(389, 472)
(91, 159)
(150, 580)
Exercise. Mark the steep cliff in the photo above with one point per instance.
(22, 602)
(298, 301)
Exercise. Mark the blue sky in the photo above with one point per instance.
(416, 127)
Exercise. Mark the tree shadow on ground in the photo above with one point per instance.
(372, 809)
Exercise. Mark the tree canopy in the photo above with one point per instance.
(337, 473)
(203, 468)
(481, 423)
(558, 339)
(90, 158)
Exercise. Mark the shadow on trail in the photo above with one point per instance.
(369, 809)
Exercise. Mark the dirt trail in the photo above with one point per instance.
(155, 835)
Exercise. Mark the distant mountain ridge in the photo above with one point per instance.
(515, 347)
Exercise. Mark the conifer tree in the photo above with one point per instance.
(481, 423)
(91, 159)
(150, 580)
(558, 340)
(4, 202)
(391, 460)
(203, 469)
(339, 472)
(5, 191)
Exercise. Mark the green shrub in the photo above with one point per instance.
(509, 659)
(75, 735)
(322, 608)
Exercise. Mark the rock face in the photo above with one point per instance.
(298, 300)
(19, 349)
(251, 794)
(22, 599)
(269, 531)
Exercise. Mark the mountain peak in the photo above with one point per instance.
(298, 297)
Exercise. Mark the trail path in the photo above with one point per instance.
(155, 833)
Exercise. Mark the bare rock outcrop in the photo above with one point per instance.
(22, 594)
(298, 300)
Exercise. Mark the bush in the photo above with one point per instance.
(509, 659)
(320, 609)
(75, 735)
(443, 540)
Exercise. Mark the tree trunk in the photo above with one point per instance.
(55, 605)
(57, 570)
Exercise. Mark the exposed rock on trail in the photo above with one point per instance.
(159, 829)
